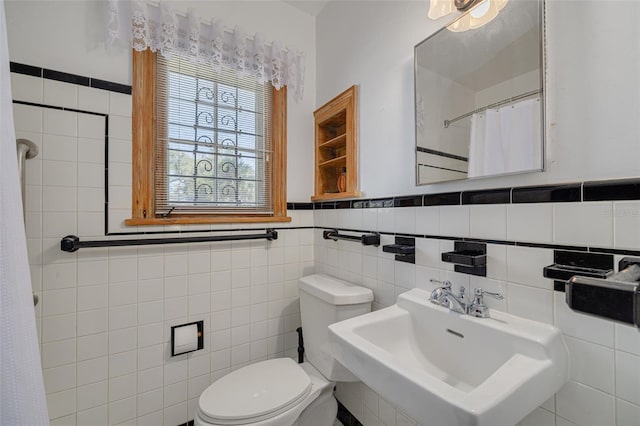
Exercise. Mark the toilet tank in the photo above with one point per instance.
(325, 300)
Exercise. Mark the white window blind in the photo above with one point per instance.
(213, 146)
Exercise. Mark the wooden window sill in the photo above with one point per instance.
(190, 220)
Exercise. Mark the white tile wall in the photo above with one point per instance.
(105, 315)
(604, 384)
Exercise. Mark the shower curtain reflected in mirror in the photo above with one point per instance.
(505, 140)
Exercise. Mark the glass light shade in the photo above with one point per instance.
(440, 8)
(480, 15)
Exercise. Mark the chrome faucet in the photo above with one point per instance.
(477, 308)
(443, 296)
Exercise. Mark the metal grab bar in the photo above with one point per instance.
(72, 243)
(365, 239)
(26, 150)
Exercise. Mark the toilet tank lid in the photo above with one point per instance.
(335, 291)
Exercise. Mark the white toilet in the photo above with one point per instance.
(281, 392)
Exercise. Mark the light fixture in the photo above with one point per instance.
(481, 13)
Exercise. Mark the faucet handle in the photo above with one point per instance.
(480, 292)
(438, 293)
(462, 291)
(444, 284)
(477, 308)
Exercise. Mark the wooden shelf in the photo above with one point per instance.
(335, 196)
(334, 162)
(335, 142)
(336, 147)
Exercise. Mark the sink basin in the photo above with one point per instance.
(444, 368)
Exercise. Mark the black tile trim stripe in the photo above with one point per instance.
(81, 111)
(25, 69)
(441, 153)
(612, 190)
(189, 423)
(628, 189)
(299, 206)
(110, 86)
(80, 80)
(496, 242)
(210, 231)
(489, 196)
(442, 168)
(410, 201)
(446, 199)
(65, 77)
(106, 149)
(547, 194)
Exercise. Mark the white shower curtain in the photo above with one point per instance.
(22, 397)
(506, 140)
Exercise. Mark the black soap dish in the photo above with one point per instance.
(469, 258)
(404, 249)
(465, 257)
(565, 272)
(569, 263)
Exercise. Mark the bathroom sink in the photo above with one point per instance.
(445, 368)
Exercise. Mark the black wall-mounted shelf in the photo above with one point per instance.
(404, 249)
(569, 263)
(468, 257)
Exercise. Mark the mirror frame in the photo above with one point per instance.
(543, 94)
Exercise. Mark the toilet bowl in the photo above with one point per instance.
(281, 392)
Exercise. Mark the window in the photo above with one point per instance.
(207, 146)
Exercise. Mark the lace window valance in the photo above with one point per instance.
(158, 27)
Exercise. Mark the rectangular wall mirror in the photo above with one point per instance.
(479, 87)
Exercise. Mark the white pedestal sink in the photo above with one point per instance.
(445, 368)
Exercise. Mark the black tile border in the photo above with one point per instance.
(487, 196)
(80, 80)
(25, 69)
(547, 194)
(410, 201)
(299, 206)
(614, 190)
(441, 154)
(489, 241)
(606, 190)
(106, 149)
(65, 77)
(445, 199)
(110, 86)
(81, 111)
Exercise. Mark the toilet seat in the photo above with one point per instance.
(254, 393)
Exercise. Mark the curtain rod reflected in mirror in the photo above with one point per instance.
(479, 93)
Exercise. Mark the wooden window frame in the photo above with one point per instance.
(143, 152)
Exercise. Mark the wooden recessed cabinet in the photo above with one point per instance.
(336, 147)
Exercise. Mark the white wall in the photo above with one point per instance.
(104, 314)
(69, 36)
(593, 101)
